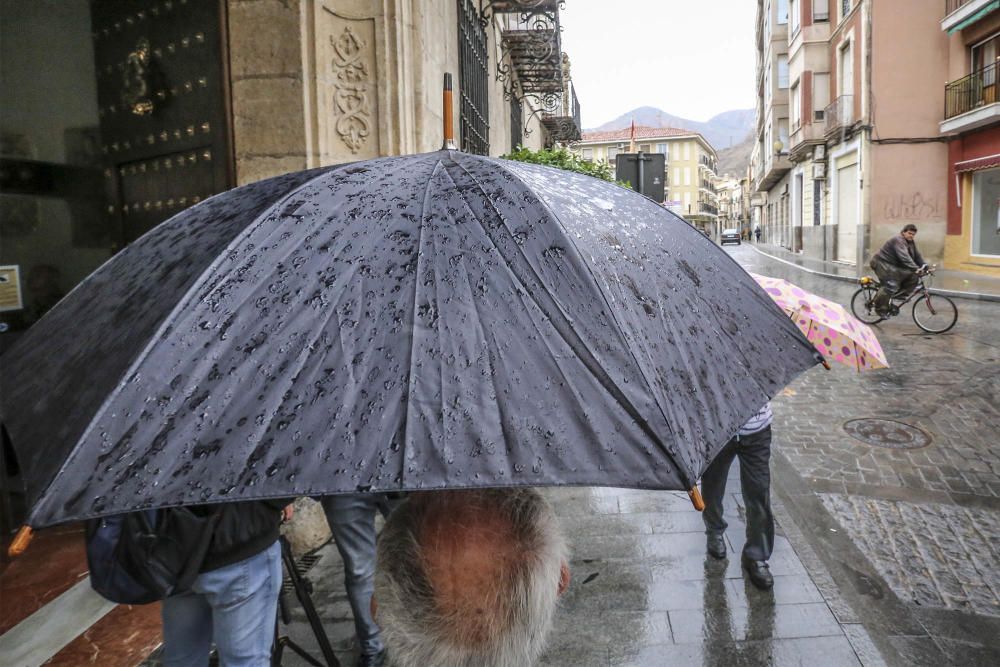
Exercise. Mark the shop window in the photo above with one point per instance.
(986, 212)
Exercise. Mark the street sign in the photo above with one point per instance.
(644, 172)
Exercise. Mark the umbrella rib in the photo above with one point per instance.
(561, 325)
(405, 429)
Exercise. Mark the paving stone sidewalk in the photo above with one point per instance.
(645, 593)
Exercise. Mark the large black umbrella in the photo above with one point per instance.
(439, 320)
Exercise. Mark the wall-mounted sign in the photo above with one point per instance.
(10, 288)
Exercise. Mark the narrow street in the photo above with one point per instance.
(909, 536)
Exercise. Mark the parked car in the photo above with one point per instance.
(730, 236)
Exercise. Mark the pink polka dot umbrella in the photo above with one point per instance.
(831, 329)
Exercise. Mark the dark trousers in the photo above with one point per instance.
(755, 478)
(894, 280)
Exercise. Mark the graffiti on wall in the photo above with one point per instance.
(913, 206)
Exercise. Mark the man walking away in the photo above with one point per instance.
(352, 522)
(897, 264)
(753, 445)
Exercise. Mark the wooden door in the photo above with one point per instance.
(163, 97)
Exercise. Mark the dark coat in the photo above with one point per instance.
(244, 530)
(900, 253)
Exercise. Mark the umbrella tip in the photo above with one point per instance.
(448, 118)
(695, 495)
(21, 542)
(826, 364)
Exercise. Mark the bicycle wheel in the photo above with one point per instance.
(863, 305)
(935, 313)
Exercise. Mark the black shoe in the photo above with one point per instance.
(371, 660)
(759, 573)
(716, 545)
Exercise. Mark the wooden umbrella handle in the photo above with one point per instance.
(21, 542)
(696, 500)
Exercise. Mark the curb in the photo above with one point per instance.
(958, 294)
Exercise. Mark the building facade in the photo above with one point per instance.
(972, 119)
(864, 153)
(689, 172)
(141, 108)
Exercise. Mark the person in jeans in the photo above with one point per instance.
(752, 444)
(234, 601)
(352, 522)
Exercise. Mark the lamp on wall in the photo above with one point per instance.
(777, 146)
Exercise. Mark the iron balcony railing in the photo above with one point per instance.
(970, 92)
(532, 41)
(839, 114)
(708, 208)
(562, 120)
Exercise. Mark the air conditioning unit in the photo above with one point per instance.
(819, 171)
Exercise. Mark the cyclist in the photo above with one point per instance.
(898, 264)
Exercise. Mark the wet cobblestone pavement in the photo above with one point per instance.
(922, 523)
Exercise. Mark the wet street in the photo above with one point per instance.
(884, 555)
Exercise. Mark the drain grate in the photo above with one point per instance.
(887, 433)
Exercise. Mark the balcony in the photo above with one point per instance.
(839, 115)
(563, 121)
(804, 137)
(707, 163)
(971, 101)
(531, 40)
(959, 14)
(707, 209)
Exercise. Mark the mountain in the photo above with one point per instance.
(723, 130)
(735, 159)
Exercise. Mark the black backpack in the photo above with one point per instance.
(142, 557)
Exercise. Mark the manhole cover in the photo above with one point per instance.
(887, 433)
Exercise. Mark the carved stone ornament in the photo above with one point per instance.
(353, 81)
(136, 88)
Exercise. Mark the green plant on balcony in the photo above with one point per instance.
(563, 159)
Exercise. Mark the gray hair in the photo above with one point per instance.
(510, 619)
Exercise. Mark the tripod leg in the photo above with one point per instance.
(305, 599)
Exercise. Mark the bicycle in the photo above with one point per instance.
(934, 314)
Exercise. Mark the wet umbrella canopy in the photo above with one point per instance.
(439, 320)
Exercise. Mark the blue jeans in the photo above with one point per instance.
(236, 606)
(352, 522)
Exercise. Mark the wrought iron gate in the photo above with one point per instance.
(474, 113)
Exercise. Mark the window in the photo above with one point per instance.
(661, 148)
(588, 154)
(687, 175)
(821, 10)
(986, 212)
(845, 8)
(474, 112)
(677, 176)
(845, 73)
(782, 12)
(677, 151)
(687, 151)
(795, 109)
(612, 154)
(644, 148)
(782, 71)
(793, 16)
(986, 53)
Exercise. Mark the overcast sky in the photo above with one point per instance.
(690, 59)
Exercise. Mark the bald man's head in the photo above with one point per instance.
(469, 577)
